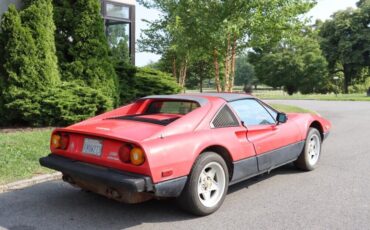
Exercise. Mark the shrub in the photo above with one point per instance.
(127, 81)
(153, 82)
(140, 82)
(360, 88)
(70, 103)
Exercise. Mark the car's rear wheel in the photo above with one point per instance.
(207, 185)
(310, 155)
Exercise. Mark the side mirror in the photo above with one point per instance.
(281, 118)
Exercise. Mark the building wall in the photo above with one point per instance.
(5, 3)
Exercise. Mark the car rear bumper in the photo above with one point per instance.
(113, 178)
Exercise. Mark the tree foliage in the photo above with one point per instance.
(244, 73)
(296, 64)
(70, 103)
(28, 64)
(83, 49)
(190, 29)
(153, 82)
(345, 41)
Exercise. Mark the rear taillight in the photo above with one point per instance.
(131, 154)
(59, 141)
(55, 141)
(64, 141)
(124, 153)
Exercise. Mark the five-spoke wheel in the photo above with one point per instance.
(311, 153)
(211, 184)
(207, 185)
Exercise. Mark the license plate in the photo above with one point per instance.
(92, 146)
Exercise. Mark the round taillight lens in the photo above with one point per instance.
(124, 153)
(137, 156)
(55, 141)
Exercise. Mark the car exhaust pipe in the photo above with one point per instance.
(113, 194)
(68, 179)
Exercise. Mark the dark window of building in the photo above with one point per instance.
(117, 11)
(120, 26)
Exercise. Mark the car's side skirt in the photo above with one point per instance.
(247, 168)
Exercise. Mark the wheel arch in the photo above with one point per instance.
(317, 125)
(224, 153)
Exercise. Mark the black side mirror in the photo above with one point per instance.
(281, 118)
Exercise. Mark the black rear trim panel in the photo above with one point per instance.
(111, 177)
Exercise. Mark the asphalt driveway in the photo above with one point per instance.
(335, 196)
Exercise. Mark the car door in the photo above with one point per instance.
(275, 144)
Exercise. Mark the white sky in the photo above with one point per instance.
(323, 10)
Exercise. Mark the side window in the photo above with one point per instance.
(271, 111)
(252, 112)
(225, 118)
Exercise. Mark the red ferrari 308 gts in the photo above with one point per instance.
(190, 146)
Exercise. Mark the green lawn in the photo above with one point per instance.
(290, 109)
(20, 151)
(278, 95)
(281, 95)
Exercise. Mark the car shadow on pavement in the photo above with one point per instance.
(57, 205)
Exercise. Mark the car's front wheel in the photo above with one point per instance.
(310, 155)
(207, 185)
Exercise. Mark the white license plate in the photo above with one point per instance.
(92, 146)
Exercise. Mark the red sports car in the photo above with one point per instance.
(190, 146)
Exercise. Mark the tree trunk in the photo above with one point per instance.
(201, 84)
(347, 77)
(182, 75)
(233, 61)
(227, 66)
(217, 70)
(174, 69)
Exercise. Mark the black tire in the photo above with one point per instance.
(303, 162)
(189, 199)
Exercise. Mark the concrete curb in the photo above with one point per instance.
(29, 182)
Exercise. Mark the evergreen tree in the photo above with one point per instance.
(83, 49)
(28, 65)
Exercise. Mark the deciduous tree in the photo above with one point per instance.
(345, 41)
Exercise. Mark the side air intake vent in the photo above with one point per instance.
(225, 118)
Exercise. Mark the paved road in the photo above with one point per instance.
(335, 196)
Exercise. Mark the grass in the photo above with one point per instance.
(20, 152)
(290, 109)
(281, 95)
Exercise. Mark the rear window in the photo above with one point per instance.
(171, 107)
(162, 112)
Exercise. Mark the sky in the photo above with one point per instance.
(323, 10)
